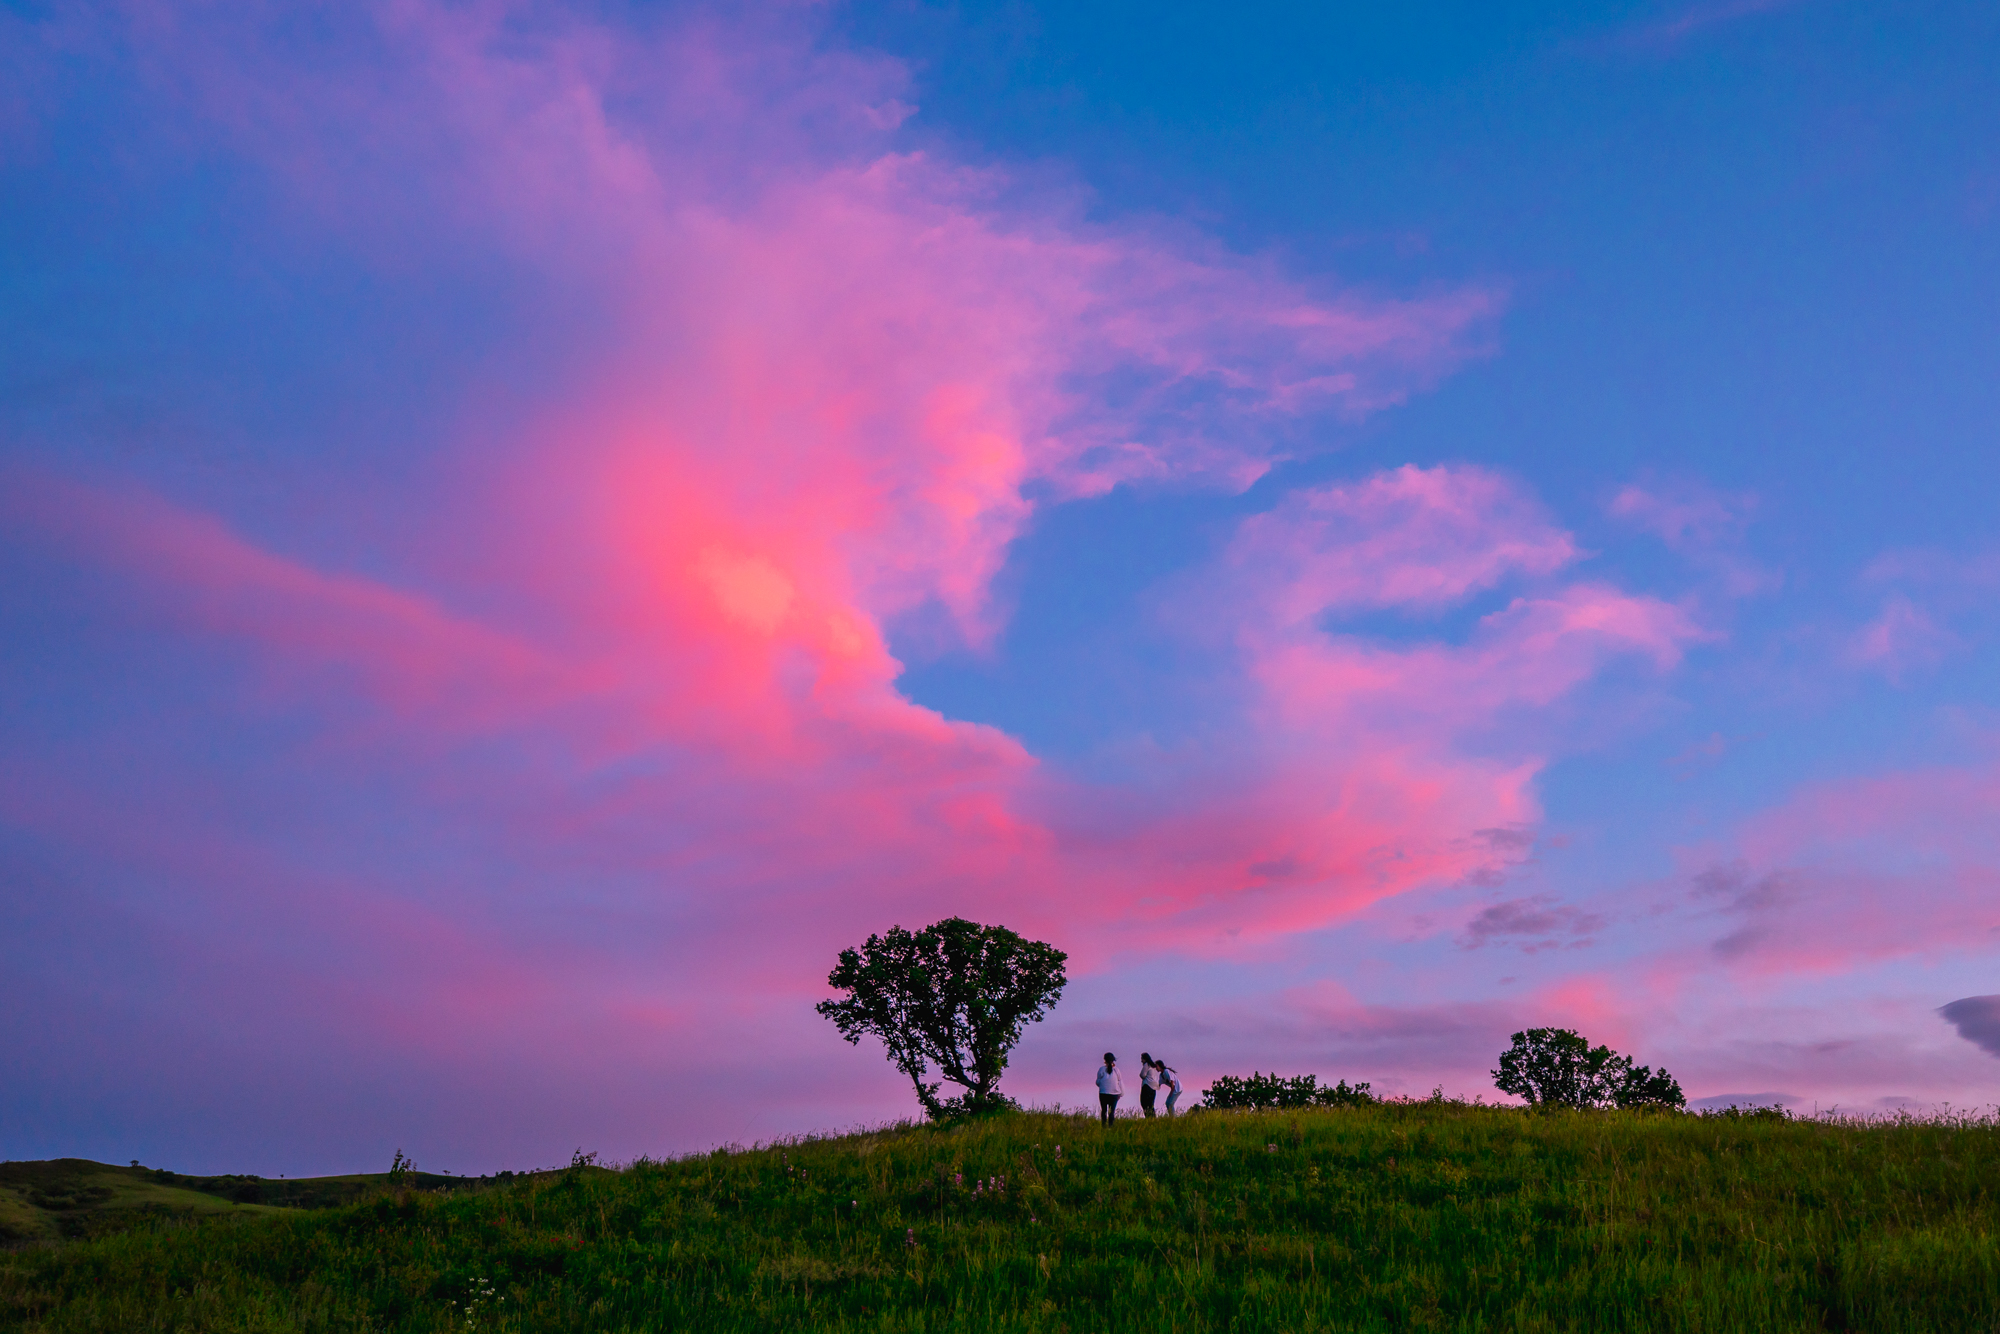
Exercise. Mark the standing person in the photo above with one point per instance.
(1110, 1088)
(1172, 1081)
(1149, 1082)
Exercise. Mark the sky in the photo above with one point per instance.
(525, 529)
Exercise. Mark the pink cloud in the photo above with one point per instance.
(1901, 640)
(1869, 869)
(1702, 524)
(1415, 537)
(1379, 768)
(1529, 653)
(404, 649)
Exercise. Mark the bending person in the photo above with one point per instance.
(1172, 1081)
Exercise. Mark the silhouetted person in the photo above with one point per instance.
(1171, 1081)
(1110, 1088)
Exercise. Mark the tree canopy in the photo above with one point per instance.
(1557, 1067)
(953, 996)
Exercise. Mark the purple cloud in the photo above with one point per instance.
(1532, 925)
(1977, 1019)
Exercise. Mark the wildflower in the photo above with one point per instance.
(1058, 1150)
(1270, 1148)
(910, 1238)
(958, 1178)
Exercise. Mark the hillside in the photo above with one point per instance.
(1433, 1216)
(70, 1198)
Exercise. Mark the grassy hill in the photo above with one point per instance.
(69, 1198)
(1431, 1216)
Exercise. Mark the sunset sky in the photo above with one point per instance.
(524, 529)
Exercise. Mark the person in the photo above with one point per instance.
(1171, 1081)
(1149, 1082)
(1110, 1088)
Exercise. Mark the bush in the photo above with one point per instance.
(1262, 1092)
(1734, 1113)
(970, 1107)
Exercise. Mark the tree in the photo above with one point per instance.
(1643, 1088)
(954, 995)
(1557, 1067)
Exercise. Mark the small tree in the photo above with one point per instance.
(1641, 1087)
(954, 995)
(1557, 1067)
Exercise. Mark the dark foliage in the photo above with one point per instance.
(954, 996)
(1261, 1092)
(1557, 1067)
(1643, 1087)
(1735, 1113)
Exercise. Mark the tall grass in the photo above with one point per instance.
(1435, 1216)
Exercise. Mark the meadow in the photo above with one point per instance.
(1402, 1216)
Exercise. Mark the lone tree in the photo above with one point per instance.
(1557, 1067)
(954, 995)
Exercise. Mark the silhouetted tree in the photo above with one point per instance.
(954, 995)
(1557, 1067)
(1641, 1087)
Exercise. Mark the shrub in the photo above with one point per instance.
(1262, 1092)
(1735, 1113)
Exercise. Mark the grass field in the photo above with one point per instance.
(1421, 1216)
(69, 1198)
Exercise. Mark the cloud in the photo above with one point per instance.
(1532, 925)
(1865, 869)
(1977, 1019)
(701, 543)
(1412, 537)
(401, 648)
(1669, 32)
(1367, 767)
(1704, 525)
(1936, 569)
(1902, 639)
(579, 732)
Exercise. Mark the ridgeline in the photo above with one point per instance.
(1400, 1216)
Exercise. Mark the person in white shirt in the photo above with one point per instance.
(1170, 1081)
(1149, 1082)
(1110, 1087)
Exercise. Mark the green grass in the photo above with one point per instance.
(1411, 1216)
(67, 1198)
(73, 1197)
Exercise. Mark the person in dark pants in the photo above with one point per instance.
(1110, 1088)
(1149, 1082)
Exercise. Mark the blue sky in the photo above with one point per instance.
(530, 528)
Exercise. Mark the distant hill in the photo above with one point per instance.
(68, 1198)
(1413, 1216)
